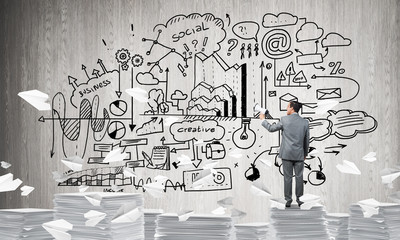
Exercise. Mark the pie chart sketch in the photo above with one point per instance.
(116, 130)
(118, 107)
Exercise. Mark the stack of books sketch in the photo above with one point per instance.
(374, 220)
(196, 227)
(150, 217)
(299, 224)
(338, 224)
(251, 231)
(102, 215)
(24, 223)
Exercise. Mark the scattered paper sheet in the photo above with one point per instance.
(369, 207)
(219, 211)
(210, 164)
(128, 172)
(278, 203)
(348, 167)
(235, 213)
(116, 188)
(128, 212)
(226, 202)
(325, 105)
(258, 188)
(184, 160)
(184, 215)
(395, 197)
(310, 201)
(94, 217)
(74, 163)
(5, 165)
(58, 229)
(266, 162)
(115, 156)
(203, 178)
(138, 94)
(37, 99)
(83, 188)
(170, 120)
(26, 190)
(59, 177)
(370, 157)
(236, 153)
(313, 153)
(7, 184)
(94, 199)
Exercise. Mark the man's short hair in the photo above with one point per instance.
(295, 105)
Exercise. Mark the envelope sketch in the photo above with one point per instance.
(329, 93)
(285, 99)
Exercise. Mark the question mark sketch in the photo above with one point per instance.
(195, 42)
(234, 43)
(246, 30)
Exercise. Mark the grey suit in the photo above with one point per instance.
(293, 150)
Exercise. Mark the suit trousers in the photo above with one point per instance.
(288, 167)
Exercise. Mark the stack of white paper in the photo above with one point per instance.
(251, 231)
(150, 217)
(196, 227)
(370, 219)
(299, 224)
(338, 224)
(24, 223)
(102, 215)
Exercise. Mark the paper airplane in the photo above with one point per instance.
(94, 217)
(184, 160)
(388, 175)
(37, 99)
(266, 162)
(183, 215)
(138, 94)
(370, 157)
(235, 213)
(26, 190)
(203, 178)
(94, 199)
(313, 152)
(160, 178)
(325, 105)
(115, 156)
(83, 188)
(58, 229)
(116, 188)
(7, 184)
(348, 167)
(74, 163)
(226, 202)
(259, 189)
(369, 207)
(127, 213)
(5, 165)
(210, 164)
(155, 189)
(59, 177)
(170, 120)
(278, 203)
(128, 172)
(236, 153)
(219, 211)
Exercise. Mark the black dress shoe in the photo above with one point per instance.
(288, 204)
(299, 203)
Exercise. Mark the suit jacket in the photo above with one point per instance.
(295, 136)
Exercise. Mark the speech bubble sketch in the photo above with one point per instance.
(246, 30)
(282, 19)
(208, 130)
(196, 32)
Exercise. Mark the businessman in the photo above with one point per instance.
(294, 148)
